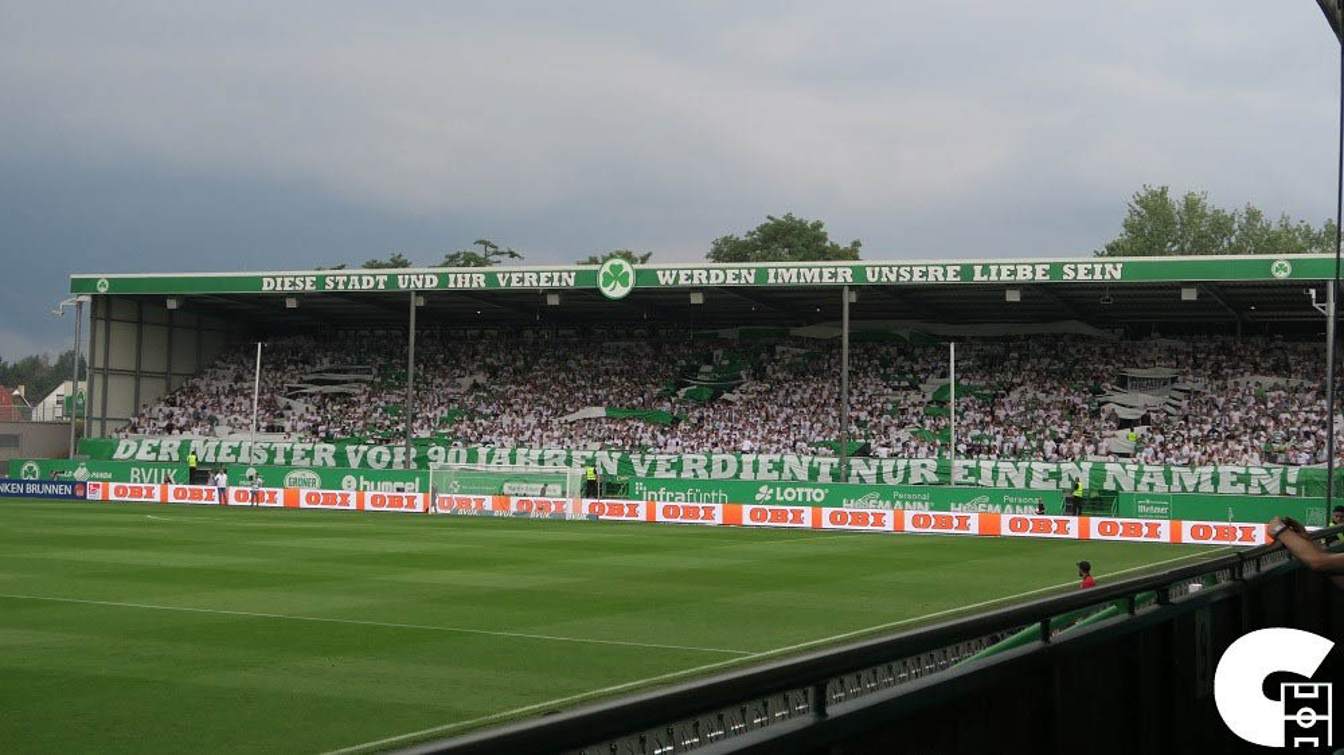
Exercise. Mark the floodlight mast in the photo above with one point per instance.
(73, 395)
(1334, 15)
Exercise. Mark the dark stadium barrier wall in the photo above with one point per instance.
(1139, 679)
(982, 524)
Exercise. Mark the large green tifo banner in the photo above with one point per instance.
(1228, 479)
(101, 471)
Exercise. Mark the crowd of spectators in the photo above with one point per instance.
(1049, 398)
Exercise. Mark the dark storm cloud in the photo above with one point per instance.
(178, 136)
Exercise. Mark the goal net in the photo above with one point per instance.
(497, 479)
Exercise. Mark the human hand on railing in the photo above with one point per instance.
(1293, 536)
(1278, 524)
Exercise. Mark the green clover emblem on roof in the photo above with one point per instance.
(102, 285)
(616, 278)
(1281, 269)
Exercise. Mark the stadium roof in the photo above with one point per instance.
(1332, 16)
(1100, 291)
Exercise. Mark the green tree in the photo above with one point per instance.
(341, 266)
(632, 257)
(489, 256)
(1158, 224)
(39, 375)
(786, 239)
(395, 262)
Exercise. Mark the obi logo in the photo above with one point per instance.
(776, 515)
(614, 509)
(302, 478)
(782, 494)
(1301, 715)
(30, 471)
(925, 521)
(616, 278)
(858, 519)
(393, 501)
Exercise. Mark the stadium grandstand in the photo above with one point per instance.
(1188, 362)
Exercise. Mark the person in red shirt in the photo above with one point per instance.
(1085, 571)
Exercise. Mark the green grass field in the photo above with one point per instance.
(144, 628)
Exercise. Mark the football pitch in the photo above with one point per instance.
(151, 628)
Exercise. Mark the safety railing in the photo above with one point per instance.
(778, 701)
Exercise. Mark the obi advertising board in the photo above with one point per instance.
(951, 523)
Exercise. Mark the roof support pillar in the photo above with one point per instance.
(409, 410)
(844, 384)
(72, 395)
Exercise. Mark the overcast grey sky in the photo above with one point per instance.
(164, 136)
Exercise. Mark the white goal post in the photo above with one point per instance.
(505, 479)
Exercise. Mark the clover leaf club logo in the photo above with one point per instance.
(101, 285)
(616, 278)
(1281, 269)
(29, 471)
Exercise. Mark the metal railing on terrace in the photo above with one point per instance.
(856, 696)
